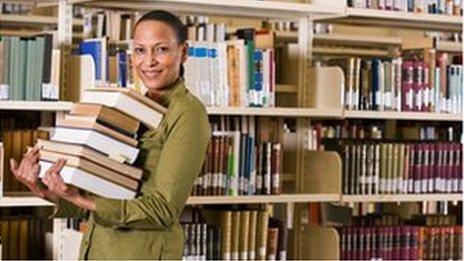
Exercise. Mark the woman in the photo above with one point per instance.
(146, 227)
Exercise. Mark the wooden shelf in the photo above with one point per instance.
(449, 46)
(246, 8)
(264, 199)
(393, 115)
(36, 105)
(33, 20)
(402, 198)
(24, 201)
(357, 40)
(350, 51)
(276, 112)
(373, 17)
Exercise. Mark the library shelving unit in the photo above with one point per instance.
(372, 17)
(318, 91)
(36, 105)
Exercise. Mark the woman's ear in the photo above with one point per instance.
(184, 52)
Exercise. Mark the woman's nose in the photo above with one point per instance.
(150, 59)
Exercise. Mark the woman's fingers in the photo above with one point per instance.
(14, 166)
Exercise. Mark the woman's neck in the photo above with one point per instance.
(157, 95)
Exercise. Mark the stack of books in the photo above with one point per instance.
(98, 140)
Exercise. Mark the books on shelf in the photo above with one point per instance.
(241, 160)
(383, 167)
(413, 6)
(22, 237)
(432, 84)
(235, 234)
(30, 68)
(239, 72)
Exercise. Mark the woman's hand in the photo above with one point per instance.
(27, 172)
(57, 186)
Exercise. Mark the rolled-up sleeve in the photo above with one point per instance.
(170, 182)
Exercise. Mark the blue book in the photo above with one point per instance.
(97, 49)
(122, 68)
(257, 91)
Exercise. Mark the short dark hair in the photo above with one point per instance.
(168, 18)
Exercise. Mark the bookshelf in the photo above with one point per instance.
(371, 17)
(245, 8)
(415, 116)
(36, 105)
(277, 112)
(33, 20)
(263, 199)
(318, 173)
(23, 201)
(449, 46)
(402, 198)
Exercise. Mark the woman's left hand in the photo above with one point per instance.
(55, 184)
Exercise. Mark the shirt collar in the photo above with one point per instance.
(176, 88)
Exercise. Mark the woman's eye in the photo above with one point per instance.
(162, 49)
(138, 50)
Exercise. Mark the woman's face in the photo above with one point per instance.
(157, 56)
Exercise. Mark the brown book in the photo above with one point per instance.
(226, 230)
(23, 239)
(261, 235)
(272, 240)
(83, 124)
(2, 153)
(7, 139)
(97, 170)
(244, 234)
(252, 235)
(4, 227)
(91, 155)
(16, 153)
(106, 115)
(235, 235)
(13, 237)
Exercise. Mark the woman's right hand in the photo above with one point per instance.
(27, 172)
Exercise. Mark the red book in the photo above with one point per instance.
(396, 242)
(374, 244)
(343, 243)
(417, 175)
(365, 251)
(405, 241)
(349, 244)
(418, 86)
(449, 166)
(440, 167)
(413, 243)
(384, 243)
(390, 238)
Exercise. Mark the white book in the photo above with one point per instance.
(127, 101)
(96, 141)
(89, 182)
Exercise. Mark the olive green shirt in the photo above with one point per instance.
(171, 156)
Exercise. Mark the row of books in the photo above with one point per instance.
(355, 129)
(447, 7)
(236, 165)
(29, 68)
(401, 243)
(97, 138)
(381, 167)
(237, 72)
(432, 85)
(236, 235)
(15, 8)
(22, 238)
